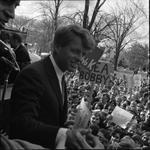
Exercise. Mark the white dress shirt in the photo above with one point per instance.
(58, 71)
(61, 135)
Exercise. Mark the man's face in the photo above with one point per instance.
(7, 11)
(70, 55)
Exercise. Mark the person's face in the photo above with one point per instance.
(7, 11)
(142, 116)
(146, 140)
(123, 106)
(118, 101)
(131, 130)
(128, 108)
(70, 55)
(95, 119)
(70, 117)
(116, 138)
(132, 106)
(139, 108)
(97, 106)
(104, 99)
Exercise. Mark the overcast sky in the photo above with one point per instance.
(30, 9)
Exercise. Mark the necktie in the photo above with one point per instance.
(63, 87)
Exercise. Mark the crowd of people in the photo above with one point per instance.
(103, 101)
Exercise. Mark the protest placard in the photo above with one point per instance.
(121, 117)
(137, 80)
(126, 75)
(95, 71)
(99, 74)
(83, 115)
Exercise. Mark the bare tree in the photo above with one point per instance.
(97, 8)
(125, 23)
(20, 22)
(137, 56)
(51, 11)
(82, 17)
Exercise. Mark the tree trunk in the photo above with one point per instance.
(85, 17)
(116, 59)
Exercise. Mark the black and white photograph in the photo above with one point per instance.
(74, 74)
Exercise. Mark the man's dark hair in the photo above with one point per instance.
(64, 35)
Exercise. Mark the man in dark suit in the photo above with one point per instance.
(7, 12)
(39, 110)
(21, 52)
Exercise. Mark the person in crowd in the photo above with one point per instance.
(105, 100)
(118, 101)
(132, 103)
(138, 140)
(146, 123)
(146, 139)
(115, 138)
(95, 118)
(142, 116)
(139, 108)
(39, 100)
(21, 52)
(7, 12)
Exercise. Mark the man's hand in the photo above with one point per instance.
(94, 142)
(82, 139)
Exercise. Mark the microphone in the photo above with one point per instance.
(6, 50)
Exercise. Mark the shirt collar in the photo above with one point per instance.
(57, 69)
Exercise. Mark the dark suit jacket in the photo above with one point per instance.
(36, 102)
(22, 58)
(22, 55)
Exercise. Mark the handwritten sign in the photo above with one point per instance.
(137, 79)
(121, 117)
(93, 70)
(83, 115)
(126, 75)
(97, 73)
